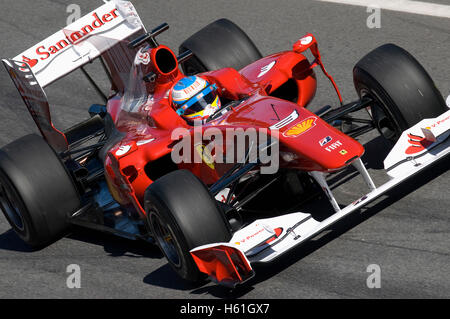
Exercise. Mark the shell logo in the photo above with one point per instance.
(30, 62)
(300, 128)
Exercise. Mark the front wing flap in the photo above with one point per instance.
(223, 263)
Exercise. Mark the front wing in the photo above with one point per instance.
(264, 240)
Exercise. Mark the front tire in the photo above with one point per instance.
(183, 215)
(403, 92)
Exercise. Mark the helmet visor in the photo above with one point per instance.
(201, 103)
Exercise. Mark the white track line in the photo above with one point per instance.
(409, 6)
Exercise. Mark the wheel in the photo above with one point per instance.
(36, 191)
(221, 44)
(183, 215)
(403, 92)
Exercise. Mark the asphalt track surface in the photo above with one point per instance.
(406, 233)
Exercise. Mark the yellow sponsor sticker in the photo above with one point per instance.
(300, 128)
(206, 155)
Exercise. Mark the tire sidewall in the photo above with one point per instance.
(28, 231)
(42, 186)
(187, 269)
(181, 202)
(383, 101)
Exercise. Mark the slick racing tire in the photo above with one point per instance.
(182, 215)
(403, 92)
(36, 191)
(221, 44)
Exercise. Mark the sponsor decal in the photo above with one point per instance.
(306, 40)
(128, 11)
(123, 150)
(445, 119)
(356, 202)
(30, 62)
(277, 234)
(142, 57)
(184, 94)
(206, 155)
(287, 120)
(325, 141)
(266, 69)
(143, 142)
(72, 37)
(243, 240)
(264, 228)
(417, 144)
(343, 152)
(194, 87)
(300, 128)
(223, 194)
(334, 146)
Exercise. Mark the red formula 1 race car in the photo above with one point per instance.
(185, 145)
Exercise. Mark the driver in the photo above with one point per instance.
(194, 98)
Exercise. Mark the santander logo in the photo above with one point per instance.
(30, 62)
(72, 37)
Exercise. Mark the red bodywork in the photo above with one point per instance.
(148, 131)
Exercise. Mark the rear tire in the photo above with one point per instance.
(403, 91)
(36, 191)
(182, 215)
(221, 44)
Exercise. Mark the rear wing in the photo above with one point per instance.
(82, 41)
(99, 33)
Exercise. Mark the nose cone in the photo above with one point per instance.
(310, 143)
(318, 145)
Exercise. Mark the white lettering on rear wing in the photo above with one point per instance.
(81, 41)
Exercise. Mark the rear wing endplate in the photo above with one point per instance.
(36, 101)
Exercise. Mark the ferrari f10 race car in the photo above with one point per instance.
(141, 168)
